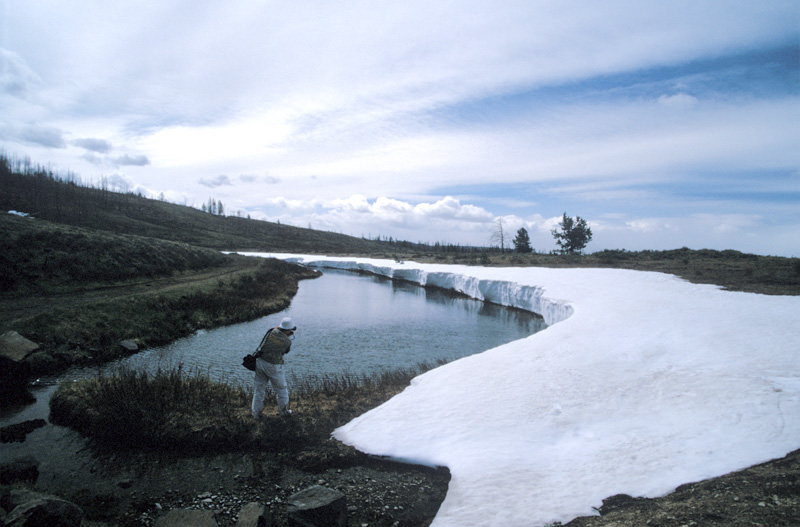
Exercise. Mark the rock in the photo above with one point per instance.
(187, 518)
(15, 346)
(129, 345)
(16, 433)
(13, 497)
(14, 381)
(21, 469)
(317, 506)
(254, 515)
(42, 362)
(616, 502)
(47, 510)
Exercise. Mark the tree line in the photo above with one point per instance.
(572, 236)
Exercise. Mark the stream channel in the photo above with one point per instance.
(347, 323)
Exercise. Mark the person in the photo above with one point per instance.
(269, 367)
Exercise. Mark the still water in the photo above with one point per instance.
(346, 323)
(357, 324)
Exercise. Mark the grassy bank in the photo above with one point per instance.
(78, 292)
(89, 328)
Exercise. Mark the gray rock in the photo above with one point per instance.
(17, 433)
(21, 469)
(42, 362)
(15, 346)
(46, 511)
(317, 506)
(11, 498)
(254, 515)
(14, 381)
(187, 518)
(129, 345)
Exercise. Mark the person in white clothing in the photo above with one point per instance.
(269, 367)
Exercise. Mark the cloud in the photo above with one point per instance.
(451, 208)
(16, 77)
(445, 219)
(100, 146)
(678, 101)
(254, 178)
(47, 136)
(118, 182)
(132, 160)
(218, 181)
(92, 158)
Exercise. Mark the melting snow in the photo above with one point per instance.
(642, 383)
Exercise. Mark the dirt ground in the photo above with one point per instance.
(764, 495)
(134, 489)
(381, 493)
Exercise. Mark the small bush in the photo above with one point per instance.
(165, 410)
(172, 410)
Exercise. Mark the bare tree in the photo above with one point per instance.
(499, 235)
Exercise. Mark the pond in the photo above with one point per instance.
(355, 324)
(347, 323)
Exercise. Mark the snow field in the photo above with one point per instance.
(642, 383)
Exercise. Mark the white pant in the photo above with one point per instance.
(267, 372)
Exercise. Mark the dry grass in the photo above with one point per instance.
(188, 411)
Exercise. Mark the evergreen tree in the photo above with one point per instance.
(522, 242)
(573, 236)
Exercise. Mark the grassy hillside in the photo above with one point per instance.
(39, 256)
(46, 196)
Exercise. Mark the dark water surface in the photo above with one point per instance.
(347, 323)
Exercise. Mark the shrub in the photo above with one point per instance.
(166, 409)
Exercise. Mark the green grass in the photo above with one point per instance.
(40, 256)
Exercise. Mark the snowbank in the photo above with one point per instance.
(642, 383)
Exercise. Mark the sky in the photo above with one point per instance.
(663, 124)
(678, 383)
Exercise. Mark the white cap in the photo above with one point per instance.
(286, 323)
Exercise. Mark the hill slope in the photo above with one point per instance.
(46, 196)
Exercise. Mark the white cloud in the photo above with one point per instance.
(42, 136)
(101, 146)
(217, 181)
(138, 160)
(16, 77)
(118, 182)
(678, 101)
